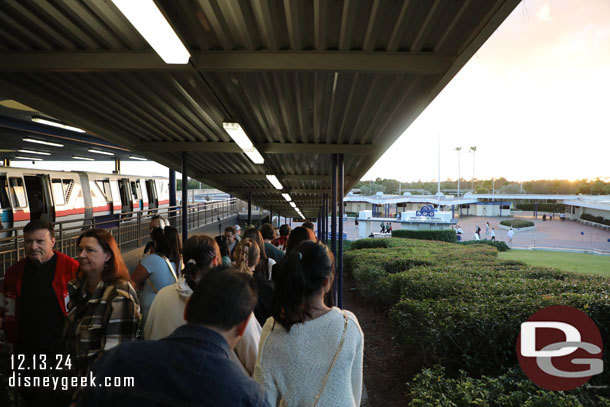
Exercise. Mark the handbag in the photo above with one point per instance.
(317, 399)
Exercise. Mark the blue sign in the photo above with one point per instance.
(426, 210)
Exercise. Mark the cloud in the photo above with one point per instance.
(544, 13)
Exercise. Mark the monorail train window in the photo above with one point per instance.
(104, 187)
(6, 203)
(135, 190)
(18, 192)
(68, 186)
(58, 191)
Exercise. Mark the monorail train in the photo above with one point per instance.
(76, 197)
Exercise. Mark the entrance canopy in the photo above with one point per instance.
(304, 79)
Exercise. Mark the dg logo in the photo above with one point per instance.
(560, 348)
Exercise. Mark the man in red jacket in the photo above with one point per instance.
(34, 295)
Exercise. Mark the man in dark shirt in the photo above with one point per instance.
(192, 365)
(268, 235)
(33, 300)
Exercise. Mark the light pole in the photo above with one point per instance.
(473, 150)
(458, 149)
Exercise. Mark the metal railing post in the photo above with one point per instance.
(139, 223)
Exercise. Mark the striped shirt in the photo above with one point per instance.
(98, 322)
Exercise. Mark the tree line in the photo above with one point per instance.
(598, 186)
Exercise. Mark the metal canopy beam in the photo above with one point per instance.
(257, 177)
(273, 190)
(267, 148)
(229, 61)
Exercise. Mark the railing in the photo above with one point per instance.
(129, 229)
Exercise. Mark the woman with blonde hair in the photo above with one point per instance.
(201, 254)
(247, 256)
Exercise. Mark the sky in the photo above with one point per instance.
(533, 100)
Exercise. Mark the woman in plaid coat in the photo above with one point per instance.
(103, 307)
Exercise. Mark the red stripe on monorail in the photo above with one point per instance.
(20, 215)
(76, 211)
(102, 208)
(164, 202)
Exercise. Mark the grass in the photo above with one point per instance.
(578, 262)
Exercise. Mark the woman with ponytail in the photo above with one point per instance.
(201, 253)
(310, 354)
(247, 257)
(159, 269)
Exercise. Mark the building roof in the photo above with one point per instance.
(305, 79)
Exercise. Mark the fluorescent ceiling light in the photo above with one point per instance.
(33, 152)
(255, 157)
(238, 135)
(293, 204)
(28, 158)
(274, 181)
(55, 124)
(240, 138)
(93, 150)
(134, 157)
(145, 16)
(80, 157)
(287, 197)
(47, 143)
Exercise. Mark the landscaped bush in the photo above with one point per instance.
(596, 219)
(517, 223)
(432, 387)
(369, 244)
(460, 306)
(501, 246)
(441, 235)
(542, 207)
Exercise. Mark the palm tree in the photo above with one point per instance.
(458, 149)
(473, 150)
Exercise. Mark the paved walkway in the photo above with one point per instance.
(554, 234)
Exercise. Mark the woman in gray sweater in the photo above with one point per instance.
(309, 353)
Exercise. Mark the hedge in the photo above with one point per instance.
(517, 223)
(440, 235)
(501, 246)
(460, 306)
(596, 219)
(542, 207)
(432, 387)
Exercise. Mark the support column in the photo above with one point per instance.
(185, 191)
(249, 209)
(340, 185)
(324, 219)
(6, 162)
(117, 166)
(333, 207)
(172, 198)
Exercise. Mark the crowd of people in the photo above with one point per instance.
(243, 318)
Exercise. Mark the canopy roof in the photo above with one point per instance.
(304, 78)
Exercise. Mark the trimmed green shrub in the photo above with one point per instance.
(542, 207)
(517, 223)
(596, 219)
(369, 243)
(440, 235)
(432, 387)
(501, 246)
